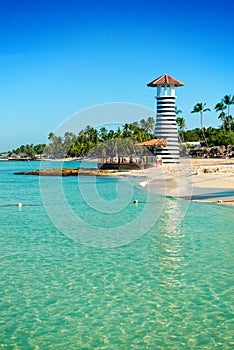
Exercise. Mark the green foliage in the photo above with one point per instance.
(148, 124)
(226, 118)
(214, 137)
(30, 150)
(80, 145)
(200, 108)
(97, 140)
(180, 122)
(193, 135)
(225, 139)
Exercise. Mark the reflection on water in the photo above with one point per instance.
(171, 238)
(170, 289)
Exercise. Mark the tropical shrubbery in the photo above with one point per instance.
(80, 145)
(210, 136)
(30, 150)
(213, 137)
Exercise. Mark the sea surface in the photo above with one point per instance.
(165, 281)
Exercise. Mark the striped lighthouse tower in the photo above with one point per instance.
(166, 117)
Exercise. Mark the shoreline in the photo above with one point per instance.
(200, 180)
(211, 180)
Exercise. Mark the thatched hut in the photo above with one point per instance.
(134, 156)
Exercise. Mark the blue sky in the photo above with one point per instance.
(59, 57)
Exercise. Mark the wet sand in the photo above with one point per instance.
(204, 180)
(211, 180)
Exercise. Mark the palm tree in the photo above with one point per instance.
(82, 136)
(200, 108)
(68, 140)
(148, 124)
(228, 100)
(103, 134)
(181, 125)
(118, 133)
(91, 134)
(228, 122)
(180, 122)
(224, 120)
(126, 130)
(52, 137)
(55, 147)
(110, 134)
(177, 111)
(220, 107)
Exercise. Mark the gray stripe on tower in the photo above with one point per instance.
(166, 117)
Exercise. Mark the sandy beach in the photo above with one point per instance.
(213, 181)
(206, 180)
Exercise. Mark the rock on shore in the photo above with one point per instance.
(212, 152)
(66, 172)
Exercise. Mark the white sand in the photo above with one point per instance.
(206, 180)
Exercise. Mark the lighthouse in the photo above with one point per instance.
(166, 117)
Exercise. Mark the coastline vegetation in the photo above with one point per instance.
(80, 145)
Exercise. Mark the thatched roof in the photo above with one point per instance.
(160, 142)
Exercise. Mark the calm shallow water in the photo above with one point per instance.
(169, 289)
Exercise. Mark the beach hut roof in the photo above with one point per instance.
(165, 80)
(160, 142)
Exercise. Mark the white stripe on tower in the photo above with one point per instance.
(166, 128)
(166, 117)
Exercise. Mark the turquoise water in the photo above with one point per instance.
(171, 288)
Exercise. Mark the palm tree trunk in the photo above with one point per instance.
(202, 129)
(182, 135)
(229, 122)
(201, 120)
